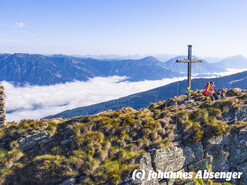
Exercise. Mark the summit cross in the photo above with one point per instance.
(189, 61)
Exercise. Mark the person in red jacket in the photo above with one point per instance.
(206, 91)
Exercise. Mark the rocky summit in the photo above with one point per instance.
(175, 136)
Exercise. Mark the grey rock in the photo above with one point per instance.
(170, 102)
(193, 153)
(229, 152)
(204, 164)
(243, 168)
(32, 140)
(241, 115)
(71, 181)
(168, 159)
(238, 147)
(220, 163)
(145, 162)
(66, 141)
(46, 140)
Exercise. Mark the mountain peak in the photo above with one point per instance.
(239, 57)
(150, 59)
(20, 55)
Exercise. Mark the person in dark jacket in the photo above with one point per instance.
(211, 89)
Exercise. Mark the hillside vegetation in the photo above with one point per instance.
(105, 148)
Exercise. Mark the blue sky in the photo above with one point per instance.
(214, 27)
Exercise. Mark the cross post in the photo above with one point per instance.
(189, 61)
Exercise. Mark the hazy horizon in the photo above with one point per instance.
(161, 57)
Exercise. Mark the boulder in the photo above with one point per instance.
(168, 159)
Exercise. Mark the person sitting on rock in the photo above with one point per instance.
(206, 91)
(212, 86)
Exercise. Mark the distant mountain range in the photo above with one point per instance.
(235, 62)
(47, 70)
(143, 99)
(22, 69)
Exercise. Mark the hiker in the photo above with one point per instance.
(211, 89)
(206, 91)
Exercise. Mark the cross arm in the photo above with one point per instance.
(187, 61)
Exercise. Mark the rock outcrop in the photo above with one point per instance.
(2, 105)
(222, 153)
(219, 154)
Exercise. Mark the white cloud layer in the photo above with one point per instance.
(34, 102)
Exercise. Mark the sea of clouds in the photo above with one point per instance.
(35, 102)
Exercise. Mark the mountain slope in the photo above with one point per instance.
(43, 70)
(141, 100)
(171, 136)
